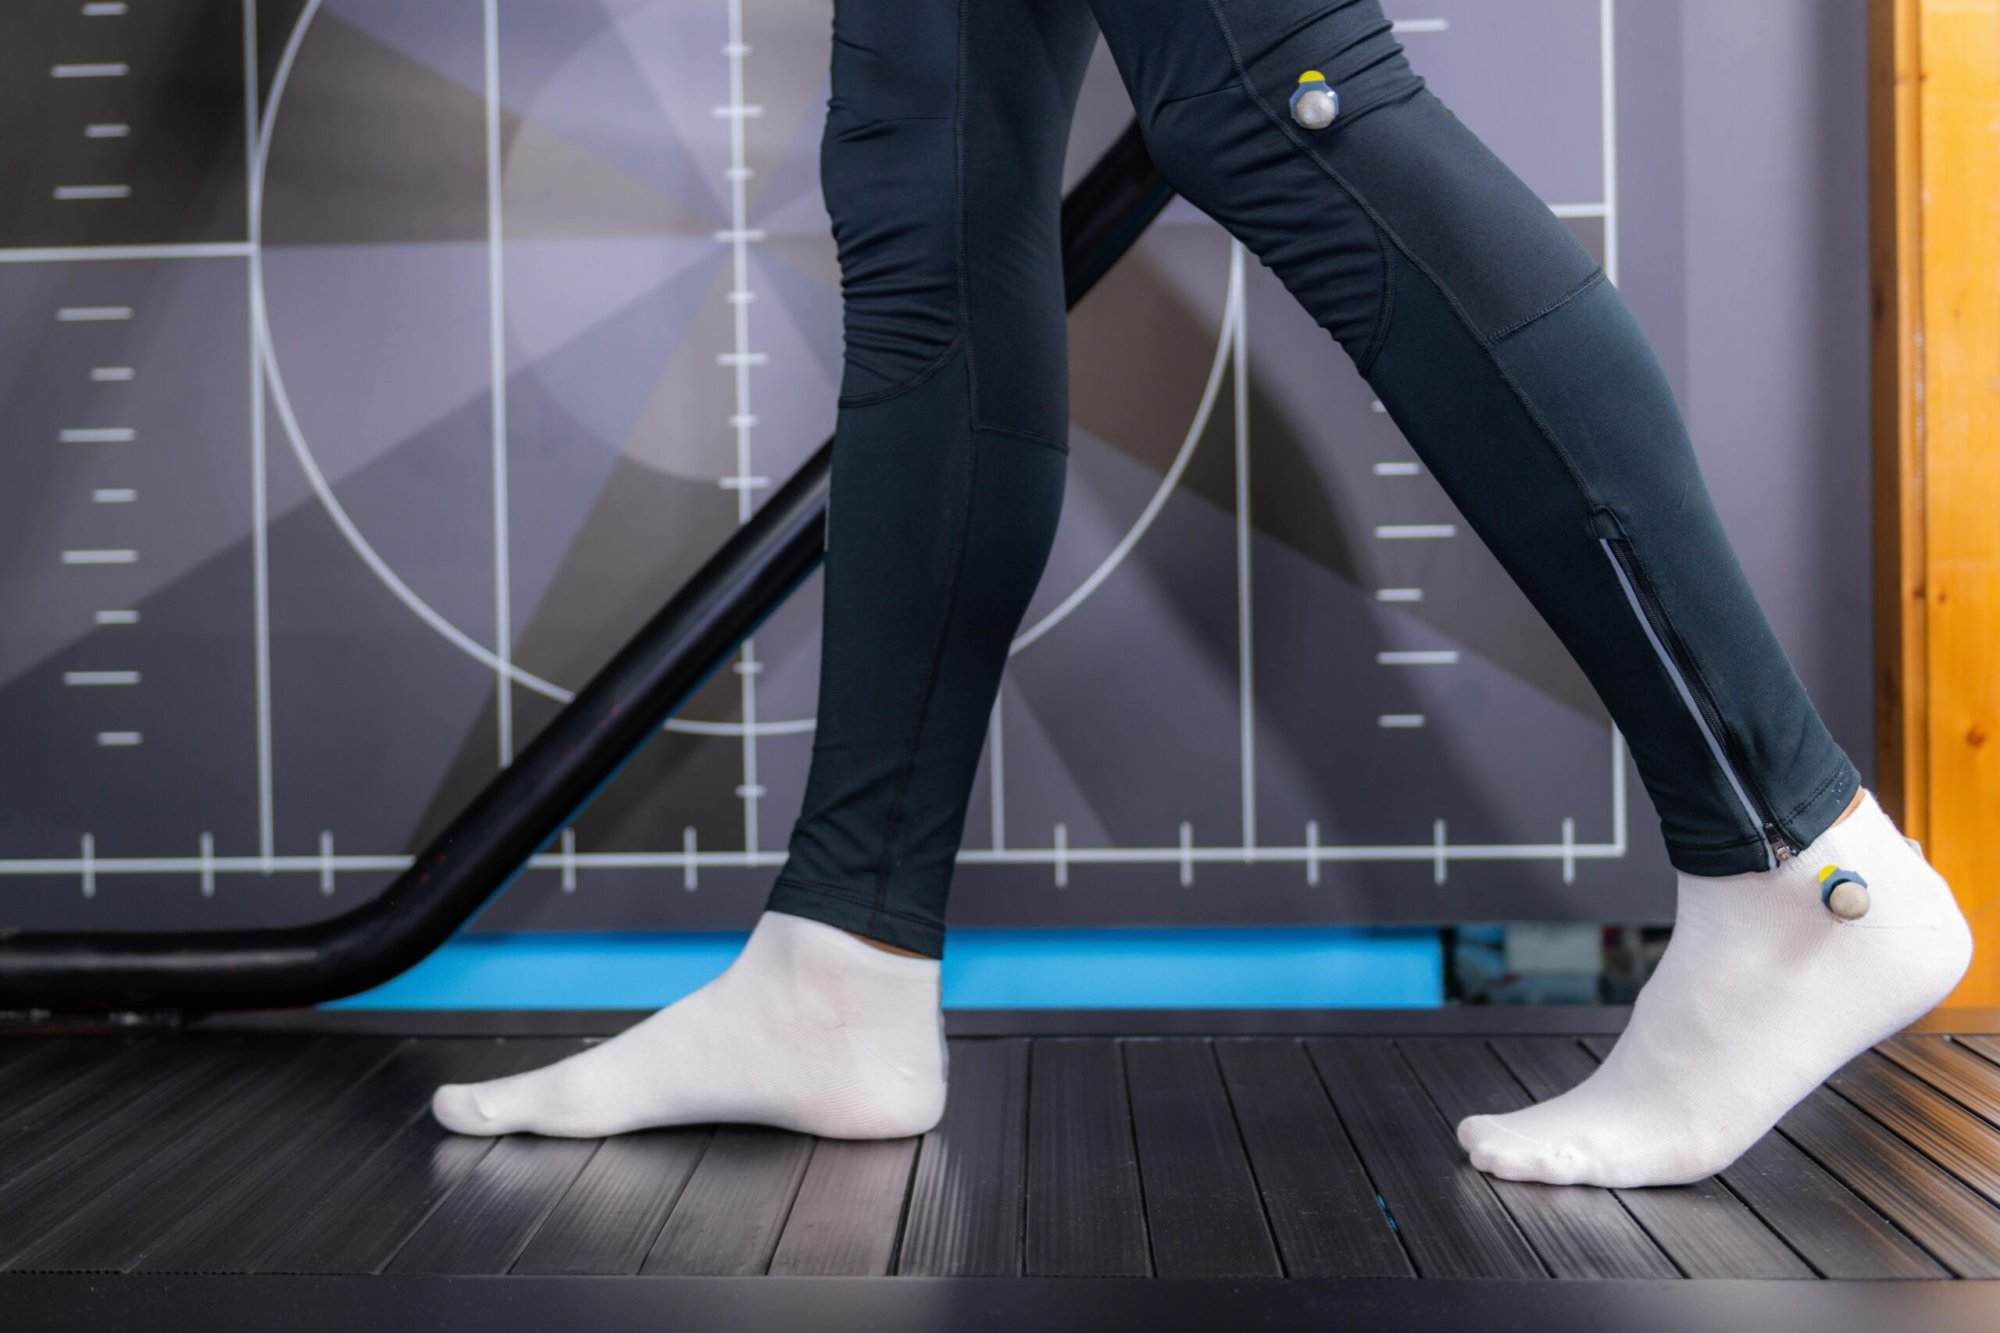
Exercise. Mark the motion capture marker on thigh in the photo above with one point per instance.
(1314, 103)
(1844, 893)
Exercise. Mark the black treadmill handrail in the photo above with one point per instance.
(557, 773)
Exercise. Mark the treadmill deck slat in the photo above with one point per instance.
(1194, 1147)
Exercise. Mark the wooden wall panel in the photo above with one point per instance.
(1935, 146)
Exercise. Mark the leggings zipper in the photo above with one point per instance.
(1777, 847)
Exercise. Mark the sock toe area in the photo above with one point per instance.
(1499, 1149)
(1504, 1165)
(1474, 1132)
(458, 1107)
(1493, 1133)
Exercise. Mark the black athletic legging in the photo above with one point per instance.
(1492, 337)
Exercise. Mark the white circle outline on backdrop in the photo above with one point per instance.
(458, 638)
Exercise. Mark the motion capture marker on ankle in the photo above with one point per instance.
(1314, 104)
(1844, 893)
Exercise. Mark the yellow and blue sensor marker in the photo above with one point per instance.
(1844, 893)
(1314, 103)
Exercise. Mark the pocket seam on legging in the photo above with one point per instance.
(1595, 276)
(1386, 316)
(909, 382)
(848, 132)
(1028, 436)
(1233, 85)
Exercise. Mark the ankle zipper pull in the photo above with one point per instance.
(1781, 847)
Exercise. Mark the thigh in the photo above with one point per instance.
(1395, 169)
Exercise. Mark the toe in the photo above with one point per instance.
(1499, 1149)
(460, 1109)
(1503, 1164)
(1474, 1131)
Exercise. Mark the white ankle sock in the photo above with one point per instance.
(808, 1029)
(1761, 994)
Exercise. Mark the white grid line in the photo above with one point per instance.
(1246, 703)
(1607, 56)
(739, 237)
(100, 679)
(1059, 854)
(260, 547)
(1608, 65)
(496, 324)
(996, 767)
(1169, 481)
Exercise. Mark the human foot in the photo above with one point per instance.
(1763, 992)
(808, 1029)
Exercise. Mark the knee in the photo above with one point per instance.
(1224, 155)
(1182, 137)
(888, 191)
(888, 173)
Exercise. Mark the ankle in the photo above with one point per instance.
(1860, 793)
(888, 948)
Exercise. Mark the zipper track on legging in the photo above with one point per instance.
(1776, 845)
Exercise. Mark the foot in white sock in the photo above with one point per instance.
(808, 1029)
(1762, 992)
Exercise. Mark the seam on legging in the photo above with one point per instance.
(1060, 446)
(895, 817)
(840, 136)
(958, 204)
(1733, 743)
(1444, 289)
(1597, 275)
(1385, 316)
(903, 386)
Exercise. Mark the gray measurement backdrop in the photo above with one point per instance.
(370, 369)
